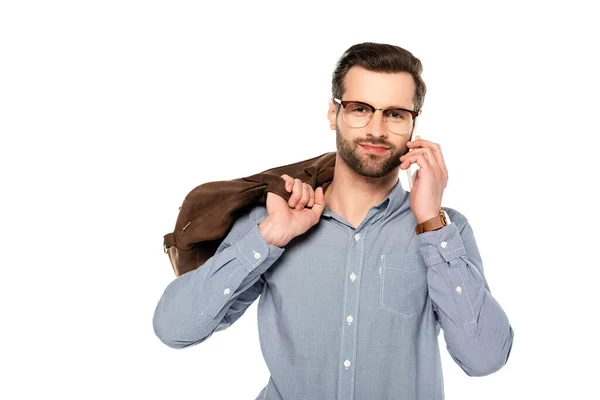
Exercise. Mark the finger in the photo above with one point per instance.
(296, 193)
(319, 205)
(437, 152)
(441, 170)
(425, 168)
(435, 147)
(289, 182)
(412, 156)
(415, 143)
(305, 196)
(437, 171)
(416, 157)
(427, 152)
(418, 142)
(311, 200)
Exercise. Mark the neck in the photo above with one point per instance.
(351, 195)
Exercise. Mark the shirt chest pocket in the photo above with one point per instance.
(402, 284)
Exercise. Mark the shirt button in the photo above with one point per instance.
(256, 254)
(346, 364)
(459, 289)
(357, 236)
(349, 319)
(226, 291)
(443, 244)
(352, 277)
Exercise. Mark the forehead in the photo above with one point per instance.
(380, 89)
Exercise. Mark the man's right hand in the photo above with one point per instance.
(286, 220)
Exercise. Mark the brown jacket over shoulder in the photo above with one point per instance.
(209, 210)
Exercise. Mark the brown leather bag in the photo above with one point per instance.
(209, 210)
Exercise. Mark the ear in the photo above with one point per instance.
(331, 115)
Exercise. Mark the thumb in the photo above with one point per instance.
(319, 202)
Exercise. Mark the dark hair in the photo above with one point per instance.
(379, 57)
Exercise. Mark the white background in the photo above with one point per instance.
(112, 111)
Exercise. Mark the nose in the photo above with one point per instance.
(376, 127)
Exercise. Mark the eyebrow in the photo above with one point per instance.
(386, 108)
(404, 108)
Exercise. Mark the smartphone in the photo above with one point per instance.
(412, 169)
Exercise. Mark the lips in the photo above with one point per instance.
(371, 148)
(374, 145)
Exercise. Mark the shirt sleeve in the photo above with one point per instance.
(477, 332)
(213, 296)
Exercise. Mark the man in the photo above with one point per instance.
(352, 297)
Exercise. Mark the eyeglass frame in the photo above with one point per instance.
(344, 103)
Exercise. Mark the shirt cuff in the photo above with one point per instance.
(252, 250)
(441, 246)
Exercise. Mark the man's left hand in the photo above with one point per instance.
(430, 180)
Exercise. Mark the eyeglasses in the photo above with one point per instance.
(358, 115)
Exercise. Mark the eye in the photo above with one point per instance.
(397, 114)
(358, 109)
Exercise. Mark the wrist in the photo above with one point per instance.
(272, 234)
(427, 217)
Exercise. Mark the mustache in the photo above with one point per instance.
(379, 142)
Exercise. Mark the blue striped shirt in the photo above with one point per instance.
(344, 312)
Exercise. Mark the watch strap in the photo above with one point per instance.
(432, 224)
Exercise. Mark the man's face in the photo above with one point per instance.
(381, 90)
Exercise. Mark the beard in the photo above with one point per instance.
(370, 165)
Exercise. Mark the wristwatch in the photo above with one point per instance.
(433, 224)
